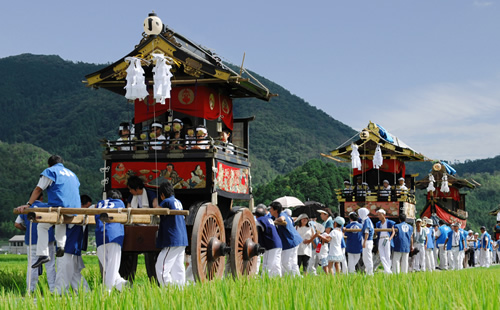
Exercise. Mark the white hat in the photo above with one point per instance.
(178, 121)
(470, 231)
(385, 181)
(381, 211)
(419, 220)
(321, 211)
(477, 234)
(429, 221)
(156, 125)
(401, 179)
(455, 224)
(302, 216)
(202, 129)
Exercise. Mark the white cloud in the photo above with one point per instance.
(482, 3)
(447, 121)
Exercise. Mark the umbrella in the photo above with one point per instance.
(309, 208)
(289, 202)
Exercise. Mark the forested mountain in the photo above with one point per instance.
(46, 109)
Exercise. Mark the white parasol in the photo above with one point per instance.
(289, 202)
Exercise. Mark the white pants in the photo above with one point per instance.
(353, 260)
(454, 258)
(436, 254)
(69, 274)
(259, 262)
(429, 260)
(271, 263)
(443, 257)
(476, 256)
(289, 263)
(110, 256)
(385, 254)
(368, 257)
(170, 266)
(313, 263)
(42, 246)
(344, 263)
(50, 268)
(400, 262)
(461, 258)
(419, 261)
(484, 258)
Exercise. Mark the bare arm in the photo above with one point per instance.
(20, 226)
(34, 195)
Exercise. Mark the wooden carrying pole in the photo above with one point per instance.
(148, 211)
(54, 218)
(376, 229)
(123, 218)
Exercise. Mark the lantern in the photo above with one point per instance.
(153, 25)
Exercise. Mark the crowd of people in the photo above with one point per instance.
(290, 244)
(338, 247)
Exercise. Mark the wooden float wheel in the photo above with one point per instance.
(208, 244)
(244, 244)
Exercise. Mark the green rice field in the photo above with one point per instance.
(476, 288)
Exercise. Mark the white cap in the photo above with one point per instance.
(321, 211)
(381, 211)
(419, 220)
(401, 179)
(204, 130)
(470, 231)
(477, 234)
(455, 224)
(385, 181)
(156, 125)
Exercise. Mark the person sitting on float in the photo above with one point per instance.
(125, 137)
(347, 192)
(157, 137)
(401, 188)
(385, 192)
(190, 138)
(227, 146)
(201, 139)
(359, 189)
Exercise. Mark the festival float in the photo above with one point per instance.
(186, 89)
(377, 156)
(444, 199)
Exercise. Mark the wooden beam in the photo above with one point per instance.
(149, 211)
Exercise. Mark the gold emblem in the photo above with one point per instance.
(186, 96)
(225, 106)
(211, 101)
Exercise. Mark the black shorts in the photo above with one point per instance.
(303, 260)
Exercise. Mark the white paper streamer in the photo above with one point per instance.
(431, 187)
(162, 76)
(355, 160)
(378, 160)
(136, 86)
(444, 184)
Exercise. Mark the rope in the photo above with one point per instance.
(104, 255)
(347, 141)
(58, 221)
(30, 258)
(129, 216)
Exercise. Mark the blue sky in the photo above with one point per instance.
(428, 71)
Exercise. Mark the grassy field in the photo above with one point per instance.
(476, 288)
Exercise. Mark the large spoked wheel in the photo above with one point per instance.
(244, 244)
(208, 244)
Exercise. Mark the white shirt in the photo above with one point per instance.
(335, 243)
(455, 238)
(384, 233)
(306, 233)
(160, 140)
(44, 182)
